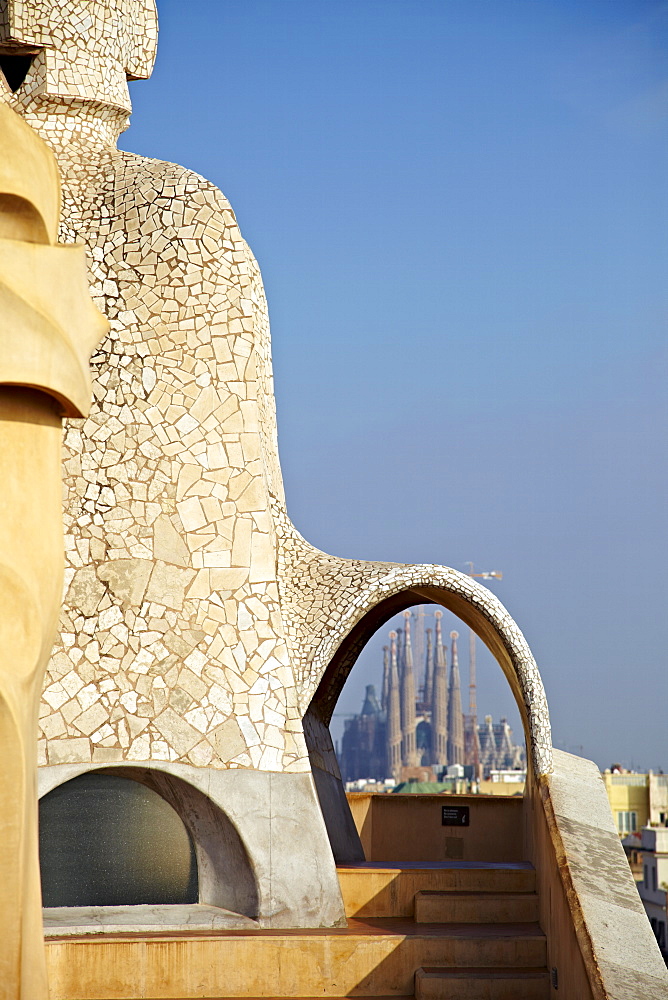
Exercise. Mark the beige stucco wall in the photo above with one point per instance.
(395, 828)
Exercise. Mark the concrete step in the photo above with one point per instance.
(381, 890)
(371, 958)
(482, 984)
(475, 907)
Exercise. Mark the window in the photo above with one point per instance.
(646, 876)
(627, 822)
(661, 934)
(654, 877)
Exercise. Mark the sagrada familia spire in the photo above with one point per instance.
(386, 678)
(407, 702)
(439, 702)
(455, 718)
(419, 720)
(429, 668)
(393, 714)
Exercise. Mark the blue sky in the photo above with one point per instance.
(459, 208)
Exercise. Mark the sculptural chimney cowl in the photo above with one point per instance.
(171, 482)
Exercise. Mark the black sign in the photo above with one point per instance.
(454, 815)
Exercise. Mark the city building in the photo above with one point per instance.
(653, 887)
(418, 722)
(636, 799)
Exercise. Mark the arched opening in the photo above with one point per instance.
(106, 840)
(115, 834)
(426, 705)
(478, 609)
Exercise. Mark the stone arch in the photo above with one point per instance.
(334, 656)
(477, 607)
(226, 876)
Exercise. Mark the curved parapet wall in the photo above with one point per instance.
(600, 942)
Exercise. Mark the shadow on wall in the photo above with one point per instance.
(140, 836)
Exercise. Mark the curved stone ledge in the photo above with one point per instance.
(599, 937)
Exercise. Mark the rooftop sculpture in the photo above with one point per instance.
(48, 327)
(203, 640)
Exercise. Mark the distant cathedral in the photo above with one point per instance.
(424, 729)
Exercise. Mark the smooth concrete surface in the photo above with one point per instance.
(368, 958)
(599, 938)
(246, 826)
(78, 921)
(377, 890)
(30, 581)
(341, 830)
(398, 828)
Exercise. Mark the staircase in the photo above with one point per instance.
(481, 920)
(461, 931)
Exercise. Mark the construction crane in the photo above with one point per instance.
(473, 707)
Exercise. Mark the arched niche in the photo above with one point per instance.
(195, 831)
(404, 587)
(107, 840)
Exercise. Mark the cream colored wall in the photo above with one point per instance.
(396, 828)
(501, 788)
(628, 798)
(658, 797)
